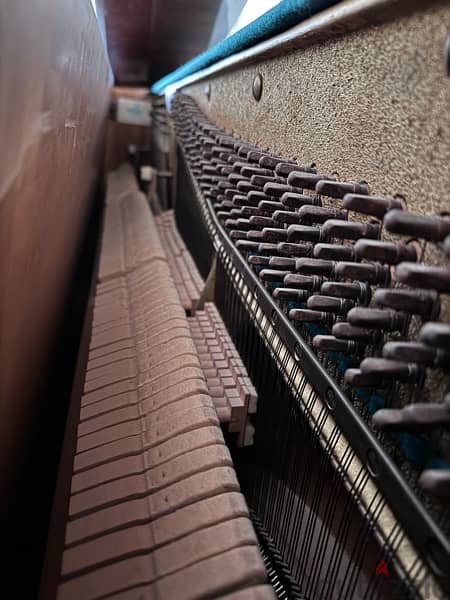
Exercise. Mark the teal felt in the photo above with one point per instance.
(280, 18)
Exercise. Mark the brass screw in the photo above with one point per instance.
(447, 54)
(257, 86)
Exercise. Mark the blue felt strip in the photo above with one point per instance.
(280, 18)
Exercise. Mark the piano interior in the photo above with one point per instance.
(224, 308)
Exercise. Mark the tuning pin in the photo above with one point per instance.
(270, 206)
(304, 233)
(227, 189)
(315, 266)
(249, 170)
(311, 316)
(271, 234)
(298, 200)
(238, 165)
(223, 203)
(255, 155)
(215, 170)
(237, 234)
(356, 378)
(303, 282)
(244, 224)
(229, 223)
(277, 189)
(214, 193)
(240, 200)
(225, 169)
(329, 343)
(390, 370)
(246, 246)
(350, 332)
(283, 169)
(385, 252)
(208, 169)
(306, 180)
(319, 214)
(417, 417)
(260, 222)
(270, 162)
(436, 482)
(233, 180)
(223, 215)
(268, 249)
(248, 211)
(418, 353)
(258, 261)
(334, 252)
(230, 182)
(336, 189)
(337, 306)
(243, 149)
(228, 193)
(221, 153)
(436, 334)
(223, 185)
(256, 197)
(207, 144)
(376, 206)
(282, 262)
(284, 216)
(350, 230)
(229, 157)
(434, 228)
(272, 275)
(424, 303)
(294, 249)
(245, 187)
(221, 138)
(427, 276)
(371, 272)
(359, 291)
(290, 294)
(255, 235)
(376, 318)
(262, 180)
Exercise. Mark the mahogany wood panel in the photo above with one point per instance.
(54, 97)
(149, 38)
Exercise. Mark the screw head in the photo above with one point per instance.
(373, 462)
(257, 87)
(447, 55)
(330, 398)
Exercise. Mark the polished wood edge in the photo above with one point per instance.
(60, 506)
(345, 17)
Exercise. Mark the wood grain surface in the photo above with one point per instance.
(54, 97)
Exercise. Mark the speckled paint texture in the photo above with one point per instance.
(373, 105)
